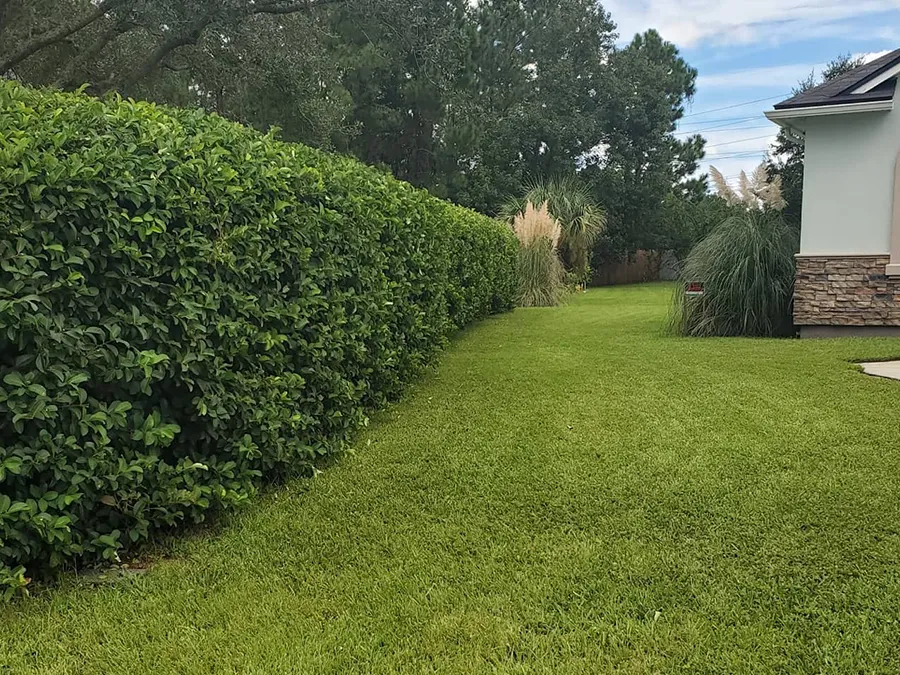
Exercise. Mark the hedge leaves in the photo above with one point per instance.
(188, 307)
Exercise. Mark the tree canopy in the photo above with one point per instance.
(642, 160)
(470, 100)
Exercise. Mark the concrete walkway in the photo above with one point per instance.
(889, 369)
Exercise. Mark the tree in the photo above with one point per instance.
(265, 72)
(263, 63)
(535, 103)
(641, 160)
(786, 159)
(470, 100)
(78, 37)
(401, 63)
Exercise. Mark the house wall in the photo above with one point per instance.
(846, 291)
(848, 184)
(843, 286)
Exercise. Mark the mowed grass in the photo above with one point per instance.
(569, 492)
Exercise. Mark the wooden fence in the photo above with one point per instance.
(643, 267)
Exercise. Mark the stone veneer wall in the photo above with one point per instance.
(846, 291)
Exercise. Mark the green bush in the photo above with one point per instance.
(188, 307)
(746, 265)
(581, 219)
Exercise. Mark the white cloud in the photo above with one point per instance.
(720, 27)
(724, 144)
(781, 76)
(687, 22)
(868, 57)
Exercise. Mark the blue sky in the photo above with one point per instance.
(755, 49)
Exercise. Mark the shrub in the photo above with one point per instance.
(687, 221)
(581, 220)
(541, 273)
(188, 307)
(746, 265)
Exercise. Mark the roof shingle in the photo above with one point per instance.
(839, 90)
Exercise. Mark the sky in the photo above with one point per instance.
(755, 50)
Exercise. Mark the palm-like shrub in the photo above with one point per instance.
(746, 266)
(541, 272)
(581, 219)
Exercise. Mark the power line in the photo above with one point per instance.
(736, 105)
(753, 155)
(738, 153)
(721, 119)
(719, 130)
(740, 140)
(719, 126)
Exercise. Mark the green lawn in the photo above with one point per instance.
(569, 492)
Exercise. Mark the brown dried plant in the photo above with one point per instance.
(756, 192)
(535, 223)
(723, 188)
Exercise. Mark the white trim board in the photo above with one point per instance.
(778, 116)
(875, 81)
(885, 254)
(893, 268)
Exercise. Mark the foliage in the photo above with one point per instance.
(188, 307)
(114, 44)
(686, 222)
(401, 66)
(533, 99)
(541, 274)
(640, 159)
(534, 223)
(746, 265)
(786, 159)
(263, 63)
(572, 205)
(465, 99)
(688, 219)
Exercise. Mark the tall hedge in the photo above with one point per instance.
(188, 308)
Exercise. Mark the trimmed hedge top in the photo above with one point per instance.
(188, 307)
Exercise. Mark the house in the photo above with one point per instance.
(848, 268)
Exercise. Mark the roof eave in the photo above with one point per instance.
(780, 115)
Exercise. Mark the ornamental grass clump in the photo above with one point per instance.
(745, 267)
(541, 273)
(580, 217)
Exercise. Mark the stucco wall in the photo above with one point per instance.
(848, 183)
